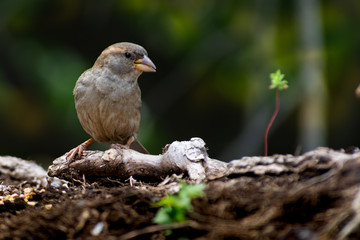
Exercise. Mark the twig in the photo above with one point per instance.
(271, 122)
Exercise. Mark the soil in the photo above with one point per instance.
(316, 204)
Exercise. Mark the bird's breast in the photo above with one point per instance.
(109, 110)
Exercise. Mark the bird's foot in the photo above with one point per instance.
(78, 150)
(71, 155)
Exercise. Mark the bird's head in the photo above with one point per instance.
(126, 59)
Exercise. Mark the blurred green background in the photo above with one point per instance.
(213, 63)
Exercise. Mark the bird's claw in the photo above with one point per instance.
(71, 155)
(78, 150)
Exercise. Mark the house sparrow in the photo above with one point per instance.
(108, 97)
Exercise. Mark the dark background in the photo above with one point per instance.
(213, 63)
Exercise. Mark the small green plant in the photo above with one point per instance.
(278, 83)
(175, 207)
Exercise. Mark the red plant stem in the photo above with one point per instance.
(271, 122)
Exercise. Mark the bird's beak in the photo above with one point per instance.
(145, 64)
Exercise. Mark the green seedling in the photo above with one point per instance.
(278, 83)
(174, 208)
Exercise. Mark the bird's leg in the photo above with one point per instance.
(129, 141)
(78, 150)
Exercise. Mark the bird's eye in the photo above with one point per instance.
(127, 54)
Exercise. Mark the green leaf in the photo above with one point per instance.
(277, 80)
(165, 201)
(192, 191)
(163, 216)
(175, 207)
(179, 214)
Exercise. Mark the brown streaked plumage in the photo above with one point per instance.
(108, 97)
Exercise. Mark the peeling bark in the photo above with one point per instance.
(191, 158)
(188, 157)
